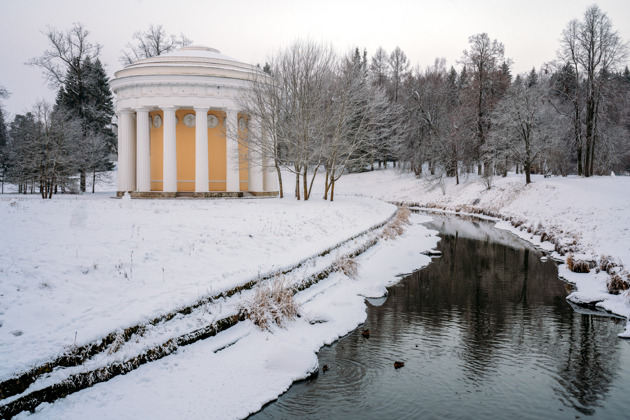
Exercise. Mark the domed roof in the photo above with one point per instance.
(191, 60)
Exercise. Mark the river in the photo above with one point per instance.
(484, 331)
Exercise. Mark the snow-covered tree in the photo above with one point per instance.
(4, 137)
(290, 110)
(42, 149)
(520, 126)
(151, 43)
(593, 49)
(379, 67)
(71, 66)
(483, 60)
(399, 67)
(93, 104)
(358, 114)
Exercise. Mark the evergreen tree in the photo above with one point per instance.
(89, 99)
(532, 78)
(100, 104)
(505, 71)
(463, 79)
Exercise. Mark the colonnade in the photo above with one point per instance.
(134, 153)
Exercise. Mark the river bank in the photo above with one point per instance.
(586, 217)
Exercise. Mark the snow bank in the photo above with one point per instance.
(75, 268)
(593, 212)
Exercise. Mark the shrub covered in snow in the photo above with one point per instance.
(606, 263)
(577, 266)
(616, 284)
(347, 266)
(397, 226)
(273, 303)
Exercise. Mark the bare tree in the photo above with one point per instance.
(305, 71)
(483, 60)
(594, 50)
(399, 65)
(521, 129)
(66, 54)
(151, 43)
(358, 113)
(379, 67)
(43, 146)
(65, 61)
(263, 101)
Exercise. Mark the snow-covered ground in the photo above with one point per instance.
(78, 267)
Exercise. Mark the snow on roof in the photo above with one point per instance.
(198, 51)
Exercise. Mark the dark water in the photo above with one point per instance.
(484, 331)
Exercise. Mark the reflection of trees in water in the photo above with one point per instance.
(496, 297)
(586, 361)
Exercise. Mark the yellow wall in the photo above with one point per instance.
(186, 154)
(242, 154)
(216, 154)
(157, 150)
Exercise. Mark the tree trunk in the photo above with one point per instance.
(578, 138)
(82, 182)
(53, 181)
(305, 182)
(332, 190)
(528, 178)
(326, 186)
(279, 180)
(297, 185)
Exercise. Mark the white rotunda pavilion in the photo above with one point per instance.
(180, 132)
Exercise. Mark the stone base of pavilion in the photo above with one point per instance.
(192, 194)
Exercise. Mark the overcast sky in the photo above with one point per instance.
(250, 30)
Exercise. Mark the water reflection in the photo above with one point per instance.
(485, 330)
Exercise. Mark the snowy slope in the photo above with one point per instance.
(593, 211)
(75, 268)
(202, 381)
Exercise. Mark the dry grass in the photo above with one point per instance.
(273, 303)
(617, 285)
(577, 266)
(117, 343)
(347, 266)
(397, 226)
(606, 263)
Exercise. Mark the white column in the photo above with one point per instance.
(254, 158)
(201, 150)
(143, 150)
(170, 151)
(231, 155)
(126, 151)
